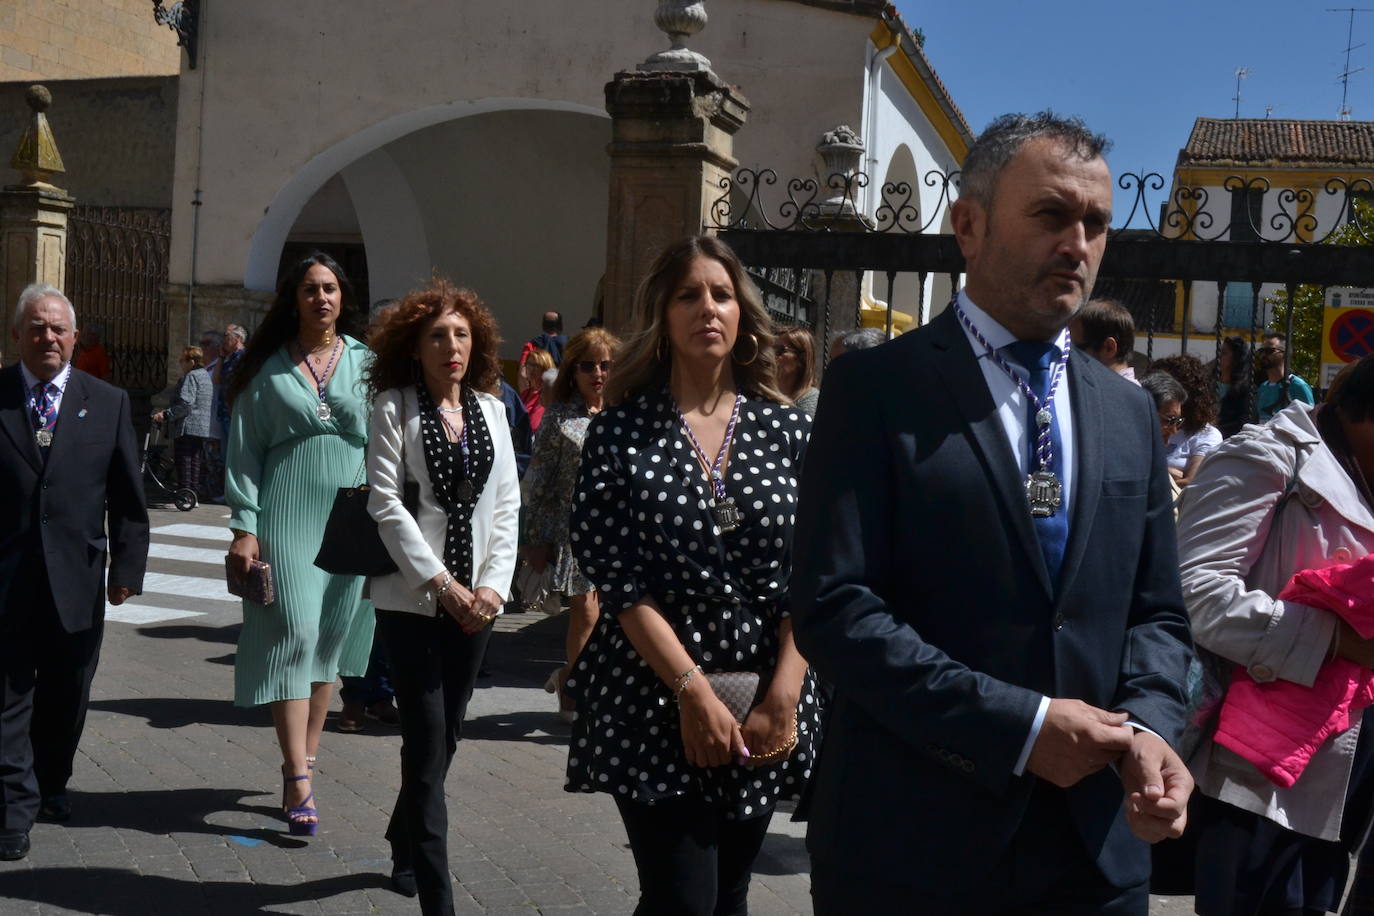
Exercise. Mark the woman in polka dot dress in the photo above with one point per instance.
(683, 522)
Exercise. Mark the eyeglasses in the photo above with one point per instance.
(1174, 421)
(589, 366)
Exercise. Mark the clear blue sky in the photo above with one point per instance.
(1141, 74)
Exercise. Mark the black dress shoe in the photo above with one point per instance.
(55, 808)
(403, 882)
(14, 844)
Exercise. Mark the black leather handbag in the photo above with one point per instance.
(351, 545)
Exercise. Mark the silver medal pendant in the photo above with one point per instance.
(323, 411)
(727, 515)
(1043, 417)
(1045, 493)
(465, 490)
(43, 437)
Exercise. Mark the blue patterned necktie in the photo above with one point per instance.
(1039, 357)
(44, 406)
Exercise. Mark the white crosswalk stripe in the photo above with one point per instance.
(200, 532)
(164, 594)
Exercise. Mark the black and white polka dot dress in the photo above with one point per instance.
(642, 525)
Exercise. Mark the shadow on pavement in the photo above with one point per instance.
(525, 657)
(226, 634)
(518, 726)
(167, 811)
(783, 855)
(177, 712)
(126, 893)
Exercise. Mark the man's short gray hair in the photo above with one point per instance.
(862, 339)
(35, 293)
(235, 330)
(1001, 140)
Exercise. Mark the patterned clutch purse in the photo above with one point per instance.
(738, 690)
(257, 586)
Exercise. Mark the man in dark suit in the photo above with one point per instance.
(985, 570)
(67, 460)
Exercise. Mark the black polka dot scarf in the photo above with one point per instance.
(448, 471)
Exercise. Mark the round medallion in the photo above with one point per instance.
(44, 437)
(323, 411)
(1043, 418)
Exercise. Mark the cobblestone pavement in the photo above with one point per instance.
(175, 792)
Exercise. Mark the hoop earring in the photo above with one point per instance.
(750, 360)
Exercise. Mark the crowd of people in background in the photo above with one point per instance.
(743, 587)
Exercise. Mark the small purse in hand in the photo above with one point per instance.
(257, 585)
(738, 690)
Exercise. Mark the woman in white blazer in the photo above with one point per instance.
(447, 501)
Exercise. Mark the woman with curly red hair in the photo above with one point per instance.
(438, 436)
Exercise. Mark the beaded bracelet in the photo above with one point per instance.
(444, 586)
(682, 680)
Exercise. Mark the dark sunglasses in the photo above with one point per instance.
(1271, 349)
(1171, 421)
(589, 366)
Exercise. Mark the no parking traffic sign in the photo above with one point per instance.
(1347, 329)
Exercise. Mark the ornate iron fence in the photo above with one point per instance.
(1282, 236)
(116, 269)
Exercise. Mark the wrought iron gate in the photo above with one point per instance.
(116, 270)
(812, 232)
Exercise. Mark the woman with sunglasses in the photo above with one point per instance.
(551, 479)
(1196, 436)
(796, 350)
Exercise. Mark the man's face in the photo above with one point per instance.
(1271, 354)
(46, 337)
(1033, 255)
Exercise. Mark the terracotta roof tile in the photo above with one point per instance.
(1279, 141)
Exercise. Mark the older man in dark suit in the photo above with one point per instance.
(985, 570)
(67, 461)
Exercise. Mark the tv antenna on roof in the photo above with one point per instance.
(1241, 74)
(1349, 46)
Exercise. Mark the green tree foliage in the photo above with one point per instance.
(1305, 344)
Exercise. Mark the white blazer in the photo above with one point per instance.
(394, 455)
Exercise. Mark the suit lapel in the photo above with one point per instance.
(71, 413)
(14, 416)
(955, 363)
(1088, 462)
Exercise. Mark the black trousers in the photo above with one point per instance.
(45, 684)
(433, 670)
(691, 860)
(1046, 871)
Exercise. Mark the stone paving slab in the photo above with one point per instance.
(175, 795)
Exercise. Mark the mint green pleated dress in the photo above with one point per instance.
(283, 467)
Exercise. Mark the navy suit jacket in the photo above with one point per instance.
(920, 592)
(57, 508)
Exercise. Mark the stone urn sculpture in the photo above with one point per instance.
(680, 19)
(842, 149)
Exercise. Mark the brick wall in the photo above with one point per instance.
(80, 39)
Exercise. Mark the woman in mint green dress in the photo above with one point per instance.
(297, 434)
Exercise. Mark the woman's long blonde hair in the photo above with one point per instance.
(644, 363)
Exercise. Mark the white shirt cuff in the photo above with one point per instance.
(1030, 739)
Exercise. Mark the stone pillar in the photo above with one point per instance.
(673, 127)
(33, 214)
(842, 149)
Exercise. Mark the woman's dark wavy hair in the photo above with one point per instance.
(1352, 391)
(282, 322)
(395, 341)
(1201, 407)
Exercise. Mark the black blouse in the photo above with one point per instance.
(642, 526)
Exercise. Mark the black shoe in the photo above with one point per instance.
(402, 881)
(14, 844)
(56, 809)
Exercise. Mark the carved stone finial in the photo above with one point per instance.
(680, 19)
(36, 157)
(842, 148)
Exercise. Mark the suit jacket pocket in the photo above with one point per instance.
(1125, 488)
